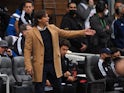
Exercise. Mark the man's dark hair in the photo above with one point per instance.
(114, 50)
(70, 3)
(38, 15)
(23, 27)
(64, 42)
(28, 1)
(116, 60)
(100, 6)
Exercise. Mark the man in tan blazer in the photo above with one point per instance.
(42, 44)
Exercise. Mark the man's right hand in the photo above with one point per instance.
(89, 32)
(30, 72)
(67, 73)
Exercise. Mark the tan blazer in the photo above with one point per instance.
(34, 47)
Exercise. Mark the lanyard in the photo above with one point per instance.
(103, 23)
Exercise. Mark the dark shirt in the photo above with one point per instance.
(102, 37)
(119, 33)
(16, 44)
(47, 40)
(70, 22)
(110, 76)
(66, 66)
(28, 18)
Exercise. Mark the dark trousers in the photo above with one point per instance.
(48, 73)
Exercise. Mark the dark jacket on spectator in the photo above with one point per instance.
(119, 33)
(102, 37)
(70, 22)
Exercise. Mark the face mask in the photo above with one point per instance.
(106, 12)
(72, 12)
(117, 11)
(107, 60)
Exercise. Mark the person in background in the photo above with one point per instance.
(99, 23)
(84, 9)
(103, 69)
(115, 52)
(119, 66)
(42, 44)
(99, 70)
(119, 69)
(27, 15)
(112, 18)
(4, 19)
(119, 30)
(72, 21)
(4, 50)
(11, 30)
(66, 63)
(19, 43)
(116, 14)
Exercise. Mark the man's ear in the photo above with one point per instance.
(39, 20)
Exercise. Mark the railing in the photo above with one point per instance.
(7, 82)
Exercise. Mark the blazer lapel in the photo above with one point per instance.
(37, 33)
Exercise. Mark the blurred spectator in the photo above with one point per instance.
(99, 23)
(4, 50)
(19, 44)
(27, 15)
(119, 66)
(116, 15)
(115, 52)
(71, 21)
(119, 30)
(11, 30)
(110, 68)
(100, 70)
(86, 9)
(103, 69)
(66, 69)
(113, 18)
(4, 19)
(119, 69)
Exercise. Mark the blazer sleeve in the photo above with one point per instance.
(28, 51)
(68, 33)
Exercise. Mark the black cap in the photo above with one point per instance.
(105, 50)
(3, 43)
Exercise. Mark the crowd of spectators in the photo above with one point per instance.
(83, 15)
(108, 40)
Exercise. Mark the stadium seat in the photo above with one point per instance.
(23, 81)
(93, 85)
(6, 74)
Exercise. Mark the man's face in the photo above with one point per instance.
(119, 67)
(63, 50)
(2, 50)
(72, 6)
(107, 55)
(116, 54)
(44, 20)
(28, 8)
(117, 5)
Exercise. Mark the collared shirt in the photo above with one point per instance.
(41, 29)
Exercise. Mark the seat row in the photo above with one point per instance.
(18, 78)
